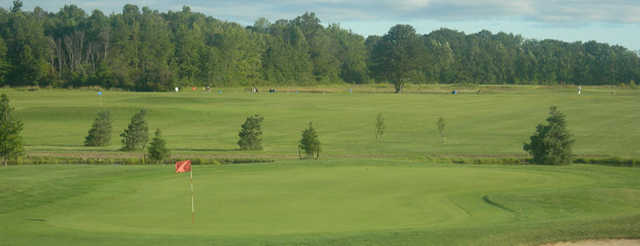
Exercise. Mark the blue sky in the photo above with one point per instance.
(610, 21)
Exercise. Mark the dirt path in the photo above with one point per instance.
(616, 242)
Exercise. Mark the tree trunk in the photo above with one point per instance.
(398, 85)
(143, 154)
(4, 162)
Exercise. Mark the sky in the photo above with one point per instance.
(616, 22)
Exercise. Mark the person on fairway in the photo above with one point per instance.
(579, 90)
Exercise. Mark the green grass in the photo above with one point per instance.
(317, 203)
(361, 193)
(195, 124)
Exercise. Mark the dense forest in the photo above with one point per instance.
(144, 49)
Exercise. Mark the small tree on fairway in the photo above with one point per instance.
(251, 133)
(551, 144)
(136, 136)
(310, 144)
(379, 127)
(158, 148)
(100, 132)
(441, 125)
(10, 132)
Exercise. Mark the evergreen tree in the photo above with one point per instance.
(551, 144)
(10, 132)
(310, 144)
(136, 136)
(100, 132)
(251, 133)
(158, 148)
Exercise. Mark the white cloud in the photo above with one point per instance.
(405, 5)
(543, 11)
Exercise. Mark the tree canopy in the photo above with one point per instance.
(147, 50)
(397, 56)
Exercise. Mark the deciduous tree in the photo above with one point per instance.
(397, 56)
(441, 125)
(10, 132)
(380, 126)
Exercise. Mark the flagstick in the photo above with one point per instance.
(192, 199)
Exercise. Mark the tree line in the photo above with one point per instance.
(147, 50)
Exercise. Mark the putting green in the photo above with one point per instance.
(293, 200)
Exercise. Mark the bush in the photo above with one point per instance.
(551, 144)
(612, 161)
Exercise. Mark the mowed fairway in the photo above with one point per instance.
(319, 203)
(495, 123)
(361, 192)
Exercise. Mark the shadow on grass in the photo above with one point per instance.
(496, 204)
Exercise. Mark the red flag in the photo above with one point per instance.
(183, 166)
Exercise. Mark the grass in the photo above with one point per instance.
(363, 192)
(196, 124)
(351, 202)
